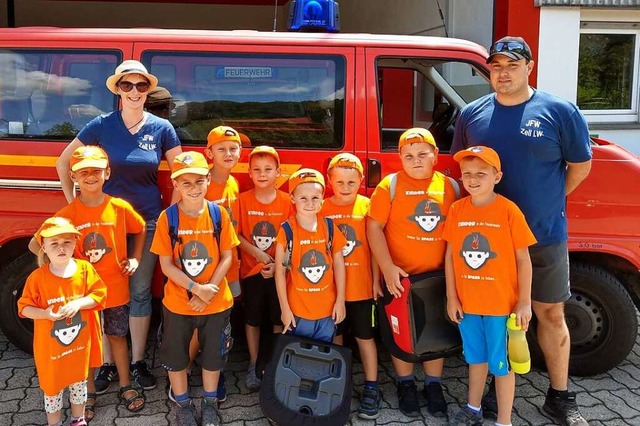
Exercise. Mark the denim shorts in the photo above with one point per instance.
(140, 281)
(321, 329)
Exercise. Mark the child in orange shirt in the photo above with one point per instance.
(407, 229)
(349, 211)
(262, 210)
(104, 223)
(62, 296)
(488, 271)
(312, 294)
(195, 257)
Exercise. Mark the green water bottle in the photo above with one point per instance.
(518, 348)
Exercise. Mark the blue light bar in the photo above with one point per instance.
(314, 15)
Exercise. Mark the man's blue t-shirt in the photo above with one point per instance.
(534, 140)
(134, 159)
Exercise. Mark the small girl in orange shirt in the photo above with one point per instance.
(62, 296)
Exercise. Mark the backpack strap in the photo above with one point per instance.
(173, 216)
(286, 226)
(216, 219)
(456, 186)
(329, 223)
(393, 181)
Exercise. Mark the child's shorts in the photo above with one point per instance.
(484, 340)
(260, 296)
(77, 396)
(214, 335)
(321, 329)
(360, 319)
(116, 321)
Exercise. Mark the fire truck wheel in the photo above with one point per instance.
(602, 320)
(18, 330)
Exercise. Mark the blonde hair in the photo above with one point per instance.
(43, 259)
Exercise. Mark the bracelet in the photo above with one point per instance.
(191, 283)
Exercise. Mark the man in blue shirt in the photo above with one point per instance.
(543, 142)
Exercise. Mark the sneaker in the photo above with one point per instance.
(564, 409)
(222, 388)
(370, 402)
(106, 374)
(210, 413)
(186, 415)
(490, 401)
(408, 399)
(142, 376)
(251, 381)
(436, 405)
(466, 417)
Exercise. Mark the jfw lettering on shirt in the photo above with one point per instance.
(532, 129)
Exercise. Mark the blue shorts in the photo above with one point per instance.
(484, 340)
(321, 329)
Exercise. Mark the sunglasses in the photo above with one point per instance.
(343, 162)
(307, 175)
(510, 46)
(127, 86)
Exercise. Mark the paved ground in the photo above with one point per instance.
(607, 399)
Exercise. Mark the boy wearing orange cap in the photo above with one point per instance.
(406, 220)
(488, 271)
(196, 295)
(349, 210)
(262, 209)
(312, 293)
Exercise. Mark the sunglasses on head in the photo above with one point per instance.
(127, 86)
(510, 46)
(343, 162)
(306, 175)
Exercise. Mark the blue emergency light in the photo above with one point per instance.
(314, 15)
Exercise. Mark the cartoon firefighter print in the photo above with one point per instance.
(94, 247)
(194, 258)
(350, 234)
(476, 250)
(264, 234)
(313, 266)
(427, 215)
(67, 329)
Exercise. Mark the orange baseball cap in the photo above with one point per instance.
(416, 135)
(189, 162)
(223, 134)
(484, 153)
(346, 160)
(265, 150)
(55, 226)
(303, 176)
(89, 156)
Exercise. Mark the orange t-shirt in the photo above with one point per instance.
(103, 243)
(64, 350)
(351, 221)
(311, 291)
(483, 243)
(227, 195)
(197, 256)
(259, 224)
(414, 220)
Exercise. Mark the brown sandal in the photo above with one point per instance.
(90, 407)
(136, 396)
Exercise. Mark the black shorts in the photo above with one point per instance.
(550, 282)
(360, 320)
(260, 297)
(214, 334)
(116, 321)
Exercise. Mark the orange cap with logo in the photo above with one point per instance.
(88, 156)
(189, 162)
(265, 150)
(348, 161)
(55, 226)
(416, 135)
(223, 134)
(304, 176)
(484, 153)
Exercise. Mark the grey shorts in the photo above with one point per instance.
(116, 321)
(550, 273)
(214, 335)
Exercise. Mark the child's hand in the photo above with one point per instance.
(206, 292)
(197, 304)
(268, 270)
(454, 309)
(70, 309)
(53, 316)
(392, 278)
(288, 320)
(263, 257)
(339, 312)
(129, 266)
(377, 290)
(523, 314)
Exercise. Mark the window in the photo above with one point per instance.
(425, 93)
(292, 101)
(52, 94)
(608, 73)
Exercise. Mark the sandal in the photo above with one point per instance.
(90, 407)
(131, 402)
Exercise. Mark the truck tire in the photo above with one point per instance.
(18, 330)
(602, 320)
